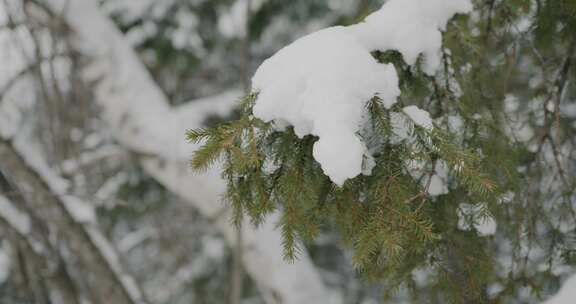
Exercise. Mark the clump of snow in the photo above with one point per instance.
(468, 218)
(419, 117)
(321, 83)
(436, 182)
(437, 186)
(439, 180)
(567, 293)
(412, 27)
(487, 227)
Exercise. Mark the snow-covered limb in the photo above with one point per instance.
(19, 220)
(143, 122)
(34, 253)
(67, 218)
(321, 83)
(566, 295)
(72, 166)
(34, 248)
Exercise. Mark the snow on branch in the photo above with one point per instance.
(18, 220)
(412, 27)
(321, 83)
(73, 220)
(567, 293)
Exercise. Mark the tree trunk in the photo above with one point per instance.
(102, 283)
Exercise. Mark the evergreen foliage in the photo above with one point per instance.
(519, 48)
(385, 217)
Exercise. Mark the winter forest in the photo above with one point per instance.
(287, 151)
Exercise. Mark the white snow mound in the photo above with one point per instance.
(320, 84)
(412, 27)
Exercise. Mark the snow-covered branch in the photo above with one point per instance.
(567, 293)
(69, 219)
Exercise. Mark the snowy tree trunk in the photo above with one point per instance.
(142, 121)
(81, 246)
(39, 271)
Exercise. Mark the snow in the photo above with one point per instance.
(214, 247)
(567, 294)
(109, 254)
(130, 10)
(419, 117)
(437, 186)
(400, 127)
(435, 182)
(106, 152)
(17, 219)
(321, 83)
(468, 218)
(135, 238)
(412, 27)
(232, 23)
(439, 182)
(322, 92)
(110, 187)
(5, 262)
(81, 211)
(486, 227)
(196, 111)
(10, 118)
